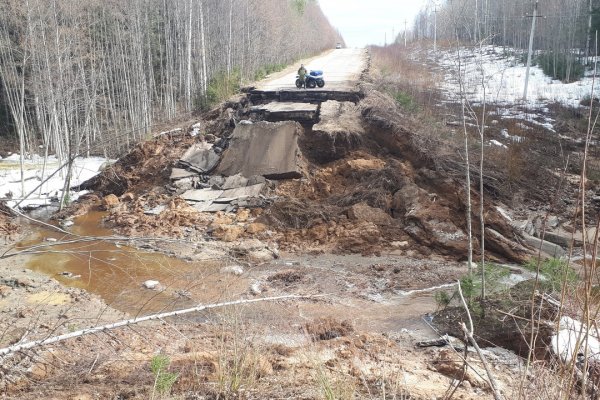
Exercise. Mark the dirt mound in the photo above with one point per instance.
(328, 328)
(144, 168)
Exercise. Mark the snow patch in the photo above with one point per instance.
(34, 173)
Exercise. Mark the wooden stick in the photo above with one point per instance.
(469, 334)
(42, 342)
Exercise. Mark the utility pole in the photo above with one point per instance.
(529, 53)
(405, 22)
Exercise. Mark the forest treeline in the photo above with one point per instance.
(564, 32)
(80, 75)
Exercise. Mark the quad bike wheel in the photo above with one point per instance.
(320, 83)
(299, 83)
(311, 84)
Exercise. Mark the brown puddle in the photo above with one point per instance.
(116, 272)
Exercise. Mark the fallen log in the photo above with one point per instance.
(42, 342)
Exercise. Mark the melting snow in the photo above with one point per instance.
(51, 190)
(497, 75)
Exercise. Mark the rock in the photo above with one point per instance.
(400, 245)
(551, 249)
(261, 256)
(152, 285)
(364, 212)
(553, 221)
(233, 269)
(243, 215)
(255, 288)
(228, 233)
(127, 197)
(5, 290)
(51, 239)
(110, 201)
(67, 223)
(255, 228)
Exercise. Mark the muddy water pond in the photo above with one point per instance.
(116, 272)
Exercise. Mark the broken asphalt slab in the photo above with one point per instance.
(286, 111)
(200, 157)
(264, 148)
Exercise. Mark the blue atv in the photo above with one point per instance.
(311, 80)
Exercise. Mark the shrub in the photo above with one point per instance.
(163, 380)
(220, 88)
(405, 100)
(267, 70)
(557, 65)
(555, 271)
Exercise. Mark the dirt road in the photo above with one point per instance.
(341, 69)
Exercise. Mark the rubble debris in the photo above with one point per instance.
(201, 195)
(156, 210)
(176, 131)
(264, 148)
(201, 157)
(210, 200)
(240, 193)
(179, 173)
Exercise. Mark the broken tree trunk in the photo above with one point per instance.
(42, 342)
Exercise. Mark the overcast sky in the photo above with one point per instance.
(364, 22)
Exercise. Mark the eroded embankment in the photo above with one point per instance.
(356, 181)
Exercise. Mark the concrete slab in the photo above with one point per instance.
(240, 193)
(551, 249)
(264, 148)
(200, 157)
(200, 195)
(180, 173)
(211, 207)
(235, 181)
